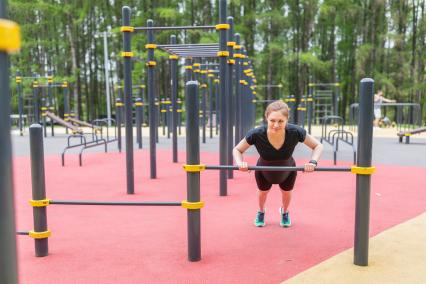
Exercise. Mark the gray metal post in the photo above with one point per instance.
(174, 75)
(229, 95)
(118, 115)
(193, 178)
(106, 63)
(151, 98)
(66, 102)
(38, 188)
(210, 85)
(36, 100)
(20, 102)
(203, 100)
(363, 182)
(139, 113)
(222, 97)
(8, 263)
(51, 107)
(217, 103)
(127, 61)
(238, 117)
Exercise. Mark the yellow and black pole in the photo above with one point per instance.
(9, 42)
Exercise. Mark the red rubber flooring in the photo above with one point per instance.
(94, 244)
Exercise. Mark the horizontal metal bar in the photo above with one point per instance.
(188, 44)
(390, 104)
(175, 28)
(23, 233)
(113, 203)
(279, 169)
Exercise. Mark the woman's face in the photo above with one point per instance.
(276, 121)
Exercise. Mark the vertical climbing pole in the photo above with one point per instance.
(363, 177)
(193, 169)
(222, 54)
(229, 94)
(174, 82)
(9, 42)
(151, 97)
(18, 80)
(127, 62)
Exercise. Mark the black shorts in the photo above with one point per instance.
(265, 179)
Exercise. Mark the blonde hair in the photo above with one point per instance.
(277, 106)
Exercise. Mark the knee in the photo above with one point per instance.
(263, 192)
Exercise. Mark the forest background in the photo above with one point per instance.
(290, 42)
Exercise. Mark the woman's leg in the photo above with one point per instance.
(263, 194)
(286, 199)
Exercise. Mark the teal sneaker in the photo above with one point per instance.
(260, 219)
(285, 218)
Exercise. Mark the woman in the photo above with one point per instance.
(379, 99)
(275, 143)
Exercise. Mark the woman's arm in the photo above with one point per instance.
(388, 100)
(316, 147)
(238, 151)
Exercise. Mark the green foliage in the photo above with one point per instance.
(289, 42)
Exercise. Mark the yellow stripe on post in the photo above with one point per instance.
(39, 203)
(363, 170)
(222, 53)
(127, 29)
(150, 46)
(192, 205)
(173, 57)
(231, 43)
(39, 235)
(126, 54)
(188, 67)
(194, 168)
(231, 61)
(10, 36)
(151, 63)
(196, 64)
(222, 27)
(237, 46)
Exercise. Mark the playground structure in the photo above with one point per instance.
(227, 117)
(29, 106)
(337, 134)
(326, 97)
(407, 134)
(193, 167)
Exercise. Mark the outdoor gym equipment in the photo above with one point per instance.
(333, 136)
(363, 169)
(407, 134)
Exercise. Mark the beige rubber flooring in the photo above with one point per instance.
(397, 255)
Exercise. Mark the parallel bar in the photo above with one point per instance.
(279, 169)
(149, 28)
(113, 203)
(23, 233)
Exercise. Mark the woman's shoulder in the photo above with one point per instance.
(293, 127)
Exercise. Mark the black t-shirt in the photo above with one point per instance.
(258, 137)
